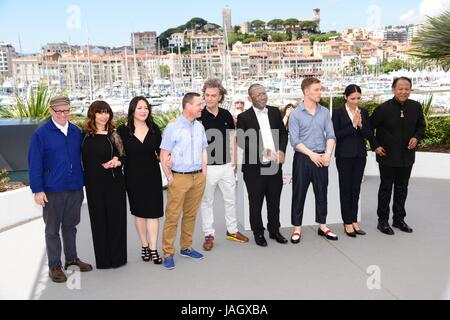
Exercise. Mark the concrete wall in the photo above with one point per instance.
(428, 165)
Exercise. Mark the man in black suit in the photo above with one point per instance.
(263, 136)
(399, 125)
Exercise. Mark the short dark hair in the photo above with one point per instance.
(188, 97)
(352, 89)
(401, 78)
(215, 84)
(253, 86)
(306, 83)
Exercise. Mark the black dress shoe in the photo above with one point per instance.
(278, 237)
(402, 226)
(327, 234)
(296, 237)
(260, 240)
(384, 227)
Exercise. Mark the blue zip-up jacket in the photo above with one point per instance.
(54, 160)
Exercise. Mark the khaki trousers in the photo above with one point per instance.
(184, 194)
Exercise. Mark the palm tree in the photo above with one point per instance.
(36, 106)
(432, 41)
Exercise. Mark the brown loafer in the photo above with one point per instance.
(209, 243)
(84, 267)
(57, 275)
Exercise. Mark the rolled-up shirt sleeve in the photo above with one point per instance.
(294, 129)
(329, 130)
(205, 141)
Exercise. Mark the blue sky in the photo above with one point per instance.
(111, 22)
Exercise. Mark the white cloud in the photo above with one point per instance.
(426, 8)
(433, 7)
(407, 16)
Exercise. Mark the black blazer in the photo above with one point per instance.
(248, 120)
(350, 142)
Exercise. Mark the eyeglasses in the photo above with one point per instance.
(61, 112)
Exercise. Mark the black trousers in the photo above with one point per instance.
(62, 213)
(399, 178)
(258, 188)
(108, 216)
(305, 172)
(351, 171)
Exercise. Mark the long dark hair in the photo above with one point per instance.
(131, 110)
(284, 110)
(98, 107)
(352, 89)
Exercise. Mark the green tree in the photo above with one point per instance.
(195, 23)
(289, 35)
(164, 71)
(393, 65)
(275, 23)
(278, 37)
(432, 41)
(237, 29)
(251, 39)
(291, 23)
(322, 37)
(308, 25)
(262, 35)
(258, 24)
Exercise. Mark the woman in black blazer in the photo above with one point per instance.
(352, 128)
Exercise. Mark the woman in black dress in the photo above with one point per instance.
(142, 138)
(103, 156)
(352, 128)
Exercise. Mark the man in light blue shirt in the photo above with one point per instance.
(184, 160)
(313, 139)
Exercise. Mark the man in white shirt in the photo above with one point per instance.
(263, 136)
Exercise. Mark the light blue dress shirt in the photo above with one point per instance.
(185, 141)
(311, 130)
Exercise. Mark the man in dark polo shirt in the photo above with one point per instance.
(399, 125)
(219, 127)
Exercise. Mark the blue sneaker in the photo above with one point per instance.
(191, 253)
(169, 264)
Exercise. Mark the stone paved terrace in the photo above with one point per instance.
(412, 266)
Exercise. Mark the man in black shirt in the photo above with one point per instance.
(399, 125)
(219, 127)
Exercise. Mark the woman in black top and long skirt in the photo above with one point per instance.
(352, 128)
(142, 138)
(103, 156)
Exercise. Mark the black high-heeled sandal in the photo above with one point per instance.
(145, 254)
(154, 256)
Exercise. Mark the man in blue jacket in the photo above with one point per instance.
(56, 179)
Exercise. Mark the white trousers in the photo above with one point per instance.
(222, 176)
